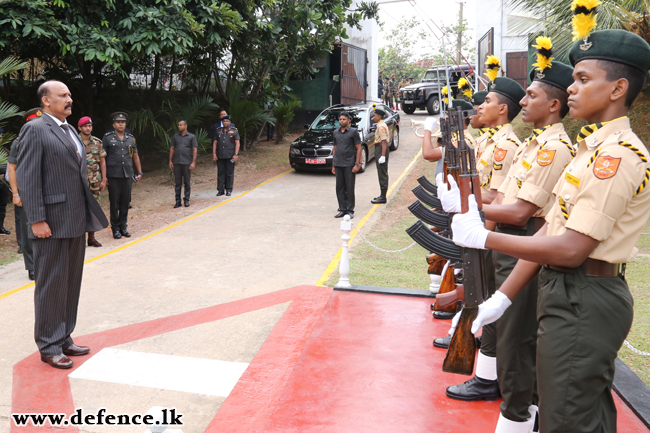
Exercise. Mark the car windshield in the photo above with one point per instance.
(431, 76)
(330, 120)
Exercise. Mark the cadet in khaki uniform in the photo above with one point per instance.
(600, 206)
(501, 105)
(381, 154)
(96, 159)
(477, 100)
(523, 201)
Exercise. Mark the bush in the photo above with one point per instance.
(284, 114)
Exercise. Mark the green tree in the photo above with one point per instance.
(459, 31)
(399, 55)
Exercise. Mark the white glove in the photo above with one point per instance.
(468, 229)
(451, 199)
(430, 123)
(491, 310)
(382, 159)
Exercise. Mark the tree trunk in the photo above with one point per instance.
(171, 73)
(156, 75)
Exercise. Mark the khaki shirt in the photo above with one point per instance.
(497, 157)
(381, 133)
(605, 194)
(481, 142)
(537, 168)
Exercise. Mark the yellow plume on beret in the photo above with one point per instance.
(544, 53)
(465, 87)
(492, 66)
(584, 17)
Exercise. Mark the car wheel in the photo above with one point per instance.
(364, 159)
(433, 105)
(395, 143)
(408, 109)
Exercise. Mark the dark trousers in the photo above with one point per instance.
(382, 169)
(583, 322)
(516, 339)
(58, 267)
(19, 240)
(226, 174)
(119, 195)
(4, 196)
(489, 335)
(345, 188)
(25, 241)
(182, 174)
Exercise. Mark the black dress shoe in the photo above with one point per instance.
(74, 350)
(228, 193)
(130, 207)
(4, 231)
(380, 199)
(220, 193)
(187, 204)
(20, 250)
(475, 389)
(442, 342)
(351, 213)
(443, 315)
(30, 274)
(117, 235)
(340, 215)
(58, 361)
(125, 233)
(177, 205)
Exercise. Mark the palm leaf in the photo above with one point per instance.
(11, 64)
(8, 110)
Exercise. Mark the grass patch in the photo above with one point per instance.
(8, 256)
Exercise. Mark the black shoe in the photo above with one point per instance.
(475, 389)
(130, 207)
(443, 315)
(125, 233)
(351, 213)
(380, 199)
(187, 204)
(177, 205)
(442, 342)
(20, 250)
(228, 193)
(220, 193)
(4, 231)
(340, 215)
(30, 274)
(117, 234)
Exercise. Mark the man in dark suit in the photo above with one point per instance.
(60, 209)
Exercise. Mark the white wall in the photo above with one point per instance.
(368, 39)
(494, 13)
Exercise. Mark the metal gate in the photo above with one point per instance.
(517, 67)
(353, 75)
(485, 49)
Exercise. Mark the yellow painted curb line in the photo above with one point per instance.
(337, 257)
(157, 232)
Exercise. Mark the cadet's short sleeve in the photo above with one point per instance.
(504, 153)
(382, 131)
(544, 173)
(606, 188)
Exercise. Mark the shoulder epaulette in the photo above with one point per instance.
(570, 146)
(513, 141)
(634, 149)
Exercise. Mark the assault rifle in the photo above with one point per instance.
(426, 184)
(462, 349)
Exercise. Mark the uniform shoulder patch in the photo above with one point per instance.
(500, 154)
(545, 157)
(606, 167)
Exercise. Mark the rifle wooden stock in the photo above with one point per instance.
(436, 264)
(465, 187)
(462, 348)
(445, 299)
(448, 284)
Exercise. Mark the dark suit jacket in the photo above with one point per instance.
(53, 182)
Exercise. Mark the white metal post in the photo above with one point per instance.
(344, 267)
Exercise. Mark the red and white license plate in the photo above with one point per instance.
(315, 161)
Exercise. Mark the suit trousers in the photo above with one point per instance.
(516, 339)
(583, 322)
(345, 179)
(25, 241)
(182, 175)
(58, 268)
(382, 169)
(18, 228)
(119, 195)
(4, 197)
(489, 335)
(226, 174)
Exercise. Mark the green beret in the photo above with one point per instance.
(619, 46)
(479, 97)
(119, 115)
(508, 88)
(558, 75)
(462, 104)
(379, 111)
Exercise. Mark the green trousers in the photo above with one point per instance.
(382, 169)
(583, 322)
(489, 334)
(516, 339)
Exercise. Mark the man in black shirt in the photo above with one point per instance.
(182, 159)
(346, 163)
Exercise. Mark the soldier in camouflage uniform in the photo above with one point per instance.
(96, 157)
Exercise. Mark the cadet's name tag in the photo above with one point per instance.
(526, 164)
(572, 180)
(484, 162)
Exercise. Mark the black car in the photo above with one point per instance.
(312, 151)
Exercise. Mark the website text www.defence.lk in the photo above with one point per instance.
(101, 417)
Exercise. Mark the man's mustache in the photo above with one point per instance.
(68, 105)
